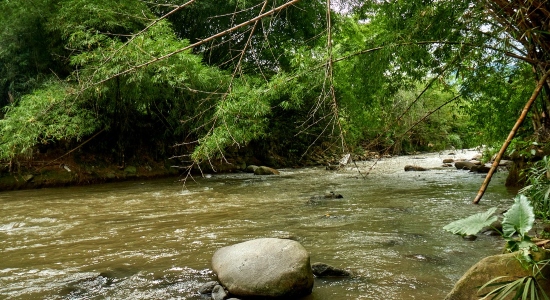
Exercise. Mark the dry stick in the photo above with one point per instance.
(510, 137)
(217, 35)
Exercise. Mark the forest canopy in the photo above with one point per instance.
(284, 75)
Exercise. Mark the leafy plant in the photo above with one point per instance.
(472, 224)
(538, 189)
(517, 221)
(524, 288)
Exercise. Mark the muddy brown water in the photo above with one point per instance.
(155, 239)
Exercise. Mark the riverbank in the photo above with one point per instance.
(56, 168)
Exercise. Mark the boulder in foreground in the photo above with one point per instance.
(267, 267)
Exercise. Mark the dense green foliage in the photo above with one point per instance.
(394, 76)
(538, 187)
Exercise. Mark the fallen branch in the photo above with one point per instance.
(506, 143)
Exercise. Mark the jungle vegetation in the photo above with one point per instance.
(204, 78)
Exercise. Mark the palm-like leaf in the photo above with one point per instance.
(519, 218)
(472, 224)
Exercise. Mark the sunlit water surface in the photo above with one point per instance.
(155, 239)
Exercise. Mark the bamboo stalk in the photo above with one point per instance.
(506, 143)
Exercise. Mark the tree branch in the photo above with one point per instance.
(510, 137)
(253, 20)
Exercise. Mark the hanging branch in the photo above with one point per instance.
(330, 75)
(134, 36)
(506, 143)
(217, 35)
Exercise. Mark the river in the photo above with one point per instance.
(154, 239)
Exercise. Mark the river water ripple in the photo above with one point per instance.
(155, 239)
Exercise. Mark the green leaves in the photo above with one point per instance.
(472, 224)
(522, 288)
(46, 115)
(519, 218)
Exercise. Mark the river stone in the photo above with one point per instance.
(208, 287)
(480, 169)
(448, 161)
(219, 293)
(324, 270)
(414, 168)
(493, 266)
(505, 163)
(464, 165)
(265, 171)
(266, 267)
(251, 168)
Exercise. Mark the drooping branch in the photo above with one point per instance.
(217, 35)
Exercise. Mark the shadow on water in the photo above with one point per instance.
(155, 239)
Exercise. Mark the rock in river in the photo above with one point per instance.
(265, 171)
(251, 168)
(324, 270)
(464, 165)
(414, 168)
(267, 267)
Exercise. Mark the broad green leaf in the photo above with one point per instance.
(472, 224)
(519, 218)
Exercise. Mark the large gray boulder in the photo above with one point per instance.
(267, 267)
(491, 267)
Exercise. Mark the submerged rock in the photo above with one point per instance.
(464, 165)
(265, 171)
(208, 287)
(414, 168)
(266, 267)
(327, 196)
(324, 270)
(470, 237)
(251, 168)
(219, 293)
(480, 169)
